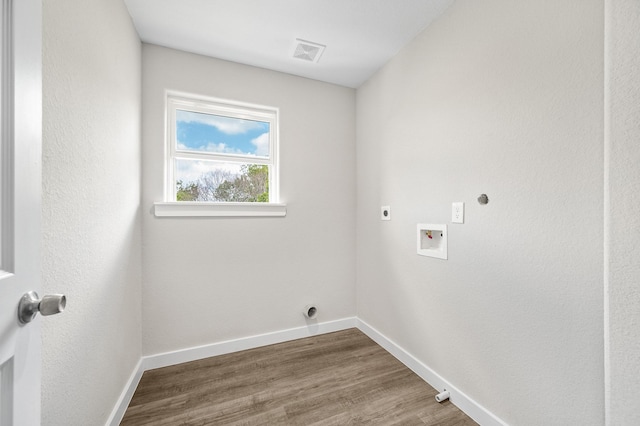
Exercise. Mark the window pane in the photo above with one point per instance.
(223, 135)
(200, 180)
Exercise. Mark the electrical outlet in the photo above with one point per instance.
(385, 213)
(457, 212)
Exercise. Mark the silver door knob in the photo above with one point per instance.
(30, 304)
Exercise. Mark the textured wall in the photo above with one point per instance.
(622, 222)
(91, 218)
(503, 98)
(207, 280)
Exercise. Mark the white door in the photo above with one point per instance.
(20, 200)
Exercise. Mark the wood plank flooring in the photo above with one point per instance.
(341, 378)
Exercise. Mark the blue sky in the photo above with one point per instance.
(214, 133)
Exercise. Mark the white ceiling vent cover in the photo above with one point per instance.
(308, 51)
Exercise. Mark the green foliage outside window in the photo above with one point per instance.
(250, 186)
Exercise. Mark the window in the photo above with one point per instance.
(220, 152)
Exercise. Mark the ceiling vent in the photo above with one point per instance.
(308, 51)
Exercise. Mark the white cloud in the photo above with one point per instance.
(262, 145)
(190, 171)
(230, 126)
(212, 147)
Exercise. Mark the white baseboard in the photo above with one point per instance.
(458, 398)
(191, 354)
(470, 407)
(125, 397)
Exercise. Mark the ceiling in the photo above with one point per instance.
(360, 35)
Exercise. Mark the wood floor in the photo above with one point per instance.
(341, 378)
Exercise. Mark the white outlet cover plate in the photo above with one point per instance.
(457, 212)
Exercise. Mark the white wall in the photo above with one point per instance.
(622, 222)
(499, 97)
(504, 98)
(207, 280)
(91, 198)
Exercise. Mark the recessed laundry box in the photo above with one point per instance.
(432, 240)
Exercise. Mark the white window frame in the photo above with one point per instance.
(222, 107)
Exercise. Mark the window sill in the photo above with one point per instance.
(197, 209)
